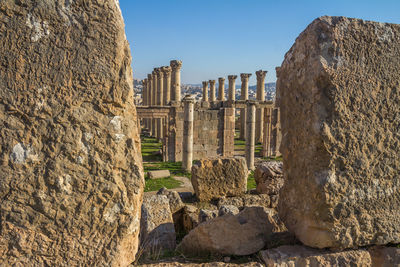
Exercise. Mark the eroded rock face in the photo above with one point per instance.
(241, 234)
(339, 91)
(269, 177)
(306, 257)
(71, 178)
(215, 178)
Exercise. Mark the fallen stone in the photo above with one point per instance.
(241, 234)
(301, 256)
(261, 200)
(339, 94)
(158, 174)
(209, 264)
(215, 178)
(269, 177)
(205, 215)
(228, 209)
(71, 175)
(175, 201)
(385, 256)
(190, 218)
(157, 232)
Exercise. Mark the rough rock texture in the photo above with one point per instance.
(261, 200)
(241, 234)
(228, 209)
(206, 215)
(301, 256)
(157, 232)
(215, 178)
(158, 174)
(209, 264)
(190, 218)
(385, 256)
(71, 178)
(175, 201)
(339, 93)
(269, 177)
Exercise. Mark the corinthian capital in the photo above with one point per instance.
(245, 76)
(261, 74)
(175, 64)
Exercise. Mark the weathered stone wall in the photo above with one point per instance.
(213, 133)
(71, 177)
(339, 91)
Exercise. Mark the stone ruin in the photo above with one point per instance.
(71, 177)
(191, 131)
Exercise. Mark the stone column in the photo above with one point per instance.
(231, 89)
(160, 101)
(260, 97)
(167, 70)
(144, 100)
(250, 140)
(244, 95)
(212, 90)
(266, 149)
(176, 66)
(205, 91)
(187, 156)
(221, 89)
(154, 102)
(150, 100)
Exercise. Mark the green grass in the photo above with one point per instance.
(251, 182)
(175, 168)
(279, 158)
(150, 146)
(157, 184)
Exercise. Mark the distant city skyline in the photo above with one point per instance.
(219, 38)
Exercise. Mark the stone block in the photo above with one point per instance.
(269, 177)
(339, 98)
(215, 178)
(71, 175)
(301, 256)
(158, 174)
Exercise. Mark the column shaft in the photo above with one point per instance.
(212, 90)
(244, 95)
(250, 140)
(221, 89)
(260, 112)
(176, 80)
(167, 84)
(187, 156)
(205, 91)
(231, 92)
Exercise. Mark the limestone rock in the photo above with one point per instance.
(301, 256)
(228, 209)
(190, 218)
(261, 200)
(157, 232)
(206, 215)
(215, 178)
(339, 94)
(71, 175)
(241, 234)
(208, 264)
(269, 177)
(385, 256)
(158, 174)
(175, 201)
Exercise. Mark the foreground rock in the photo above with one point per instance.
(241, 234)
(269, 177)
(301, 256)
(385, 256)
(215, 178)
(339, 96)
(261, 200)
(175, 201)
(71, 177)
(209, 264)
(157, 232)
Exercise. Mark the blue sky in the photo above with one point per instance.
(216, 38)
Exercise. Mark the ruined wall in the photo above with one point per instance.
(213, 133)
(339, 93)
(71, 177)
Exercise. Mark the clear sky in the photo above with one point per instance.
(216, 38)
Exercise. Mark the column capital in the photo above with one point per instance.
(159, 72)
(144, 81)
(205, 83)
(175, 64)
(251, 102)
(221, 80)
(189, 98)
(212, 82)
(232, 77)
(261, 74)
(245, 76)
(149, 76)
(167, 70)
